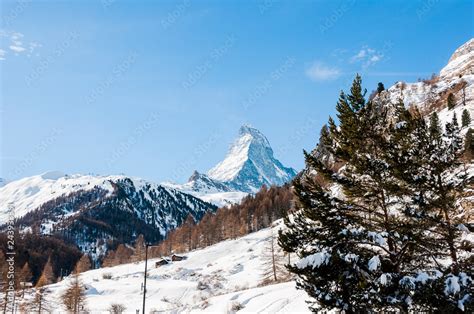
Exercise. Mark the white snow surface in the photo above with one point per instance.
(222, 199)
(229, 271)
(229, 168)
(314, 260)
(374, 263)
(209, 193)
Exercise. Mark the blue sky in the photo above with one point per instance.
(156, 89)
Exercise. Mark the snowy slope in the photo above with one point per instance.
(209, 190)
(446, 115)
(230, 272)
(220, 199)
(456, 77)
(3, 182)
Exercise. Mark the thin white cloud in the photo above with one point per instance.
(14, 42)
(17, 48)
(367, 56)
(318, 71)
(16, 36)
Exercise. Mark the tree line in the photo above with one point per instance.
(24, 283)
(254, 213)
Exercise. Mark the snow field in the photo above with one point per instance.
(222, 278)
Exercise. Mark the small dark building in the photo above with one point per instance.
(177, 258)
(161, 262)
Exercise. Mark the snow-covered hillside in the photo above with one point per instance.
(29, 193)
(457, 77)
(91, 210)
(3, 182)
(209, 190)
(218, 279)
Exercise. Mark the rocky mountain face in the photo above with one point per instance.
(429, 95)
(248, 165)
(200, 182)
(94, 211)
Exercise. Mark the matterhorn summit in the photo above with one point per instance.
(250, 163)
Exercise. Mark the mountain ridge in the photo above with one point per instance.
(456, 77)
(94, 211)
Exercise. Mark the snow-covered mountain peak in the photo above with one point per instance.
(461, 62)
(52, 175)
(201, 182)
(94, 209)
(250, 163)
(196, 175)
(456, 78)
(29, 193)
(3, 182)
(238, 154)
(465, 49)
(247, 131)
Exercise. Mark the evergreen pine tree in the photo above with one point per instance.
(356, 97)
(451, 101)
(435, 126)
(380, 87)
(352, 245)
(376, 236)
(465, 118)
(435, 179)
